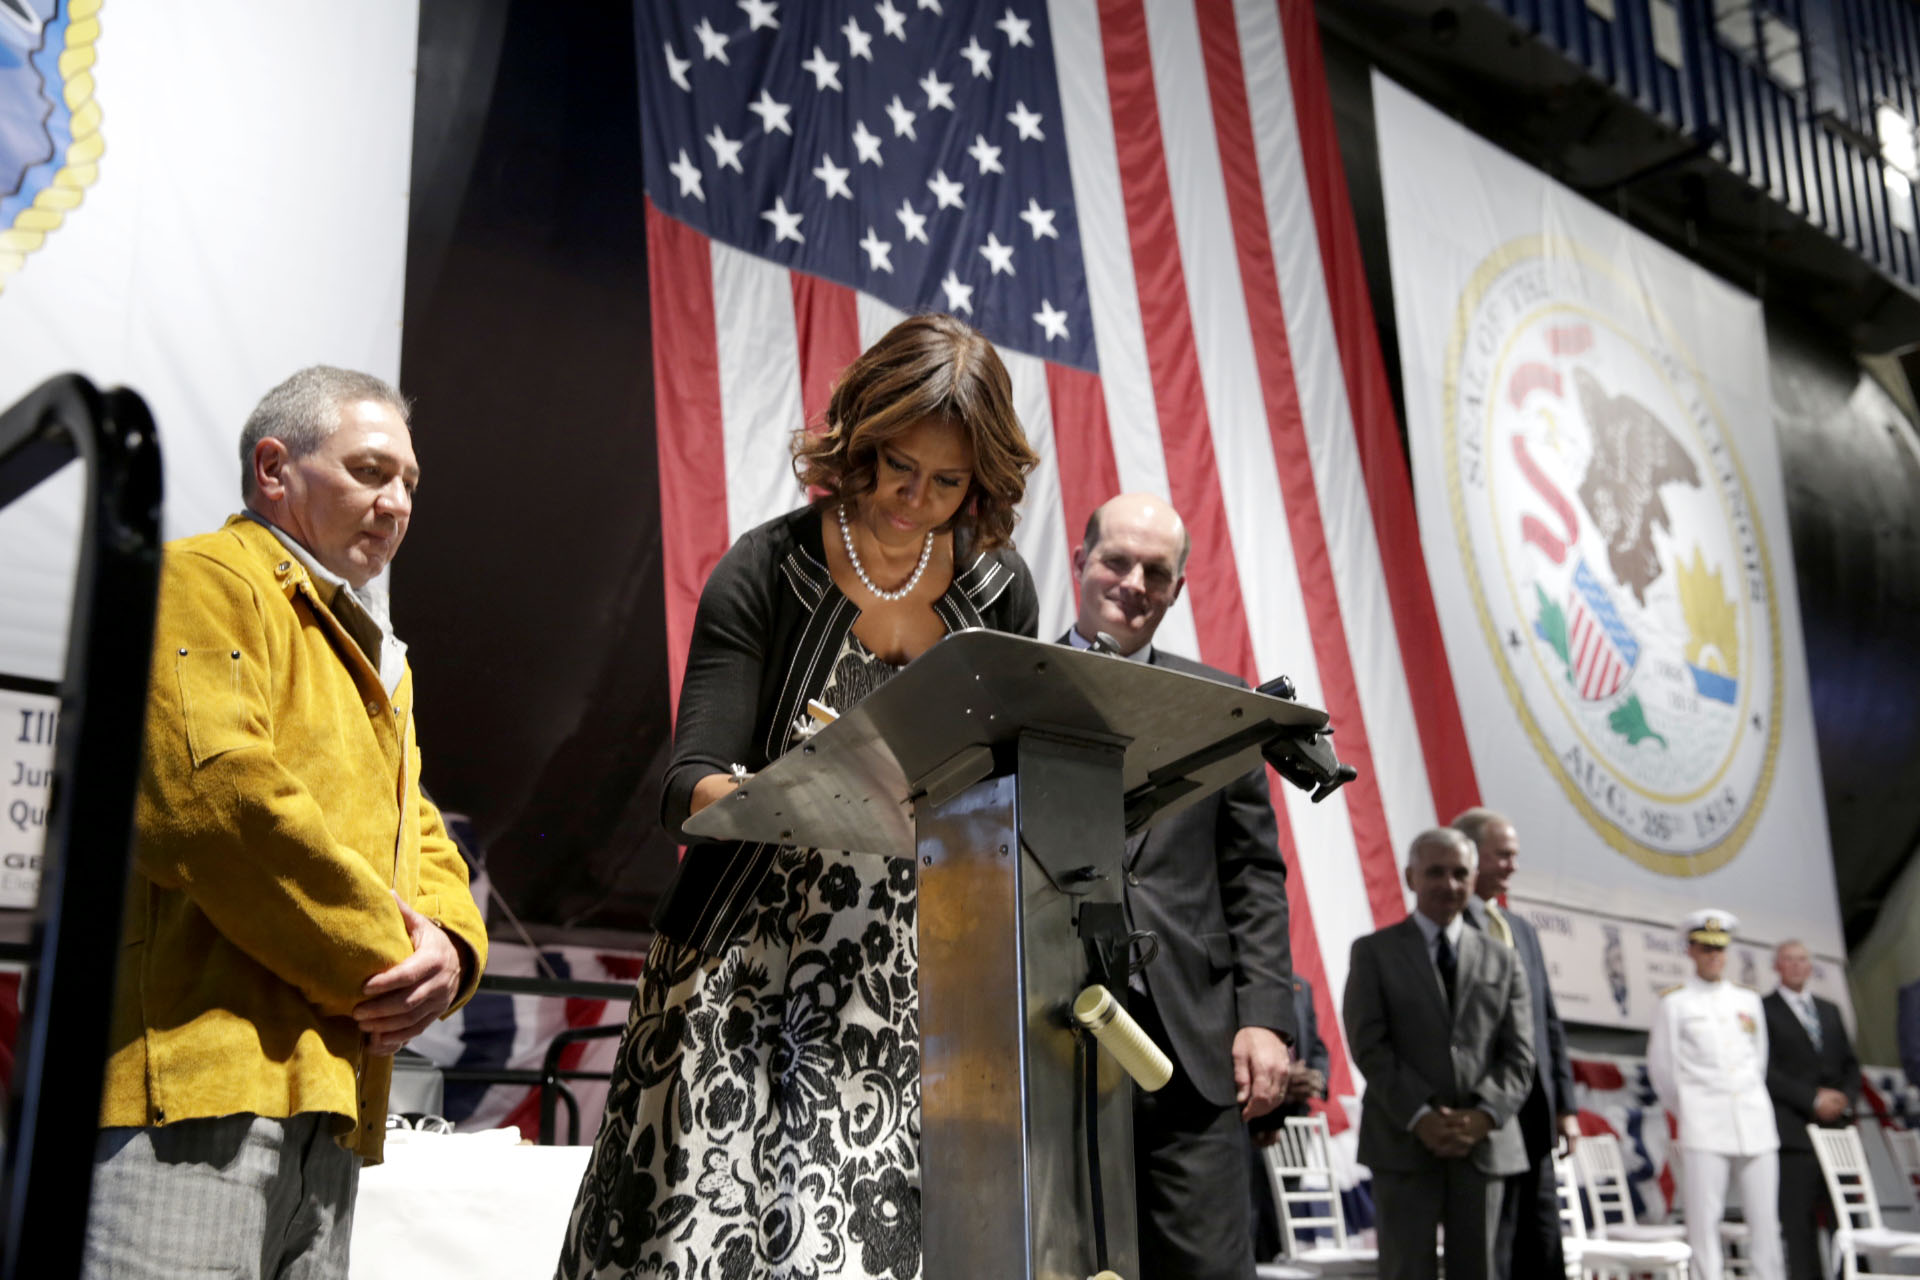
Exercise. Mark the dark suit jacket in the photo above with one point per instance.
(1909, 1026)
(1552, 1090)
(1415, 1053)
(1307, 1044)
(1795, 1068)
(1308, 1047)
(1209, 882)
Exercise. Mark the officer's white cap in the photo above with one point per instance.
(1710, 927)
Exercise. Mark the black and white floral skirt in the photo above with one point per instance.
(764, 1116)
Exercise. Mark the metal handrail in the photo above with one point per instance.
(551, 1075)
(551, 1078)
(60, 1055)
(514, 984)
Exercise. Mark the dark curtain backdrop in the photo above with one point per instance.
(530, 586)
(1852, 484)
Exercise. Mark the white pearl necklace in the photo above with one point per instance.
(860, 570)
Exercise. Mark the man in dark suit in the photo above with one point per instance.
(1209, 883)
(1909, 1029)
(1306, 1080)
(1813, 1078)
(1307, 1074)
(1529, 1239)
(1440, 1025)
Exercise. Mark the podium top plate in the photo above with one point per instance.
(853, 786)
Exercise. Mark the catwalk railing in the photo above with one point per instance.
(551, 1078)
(73, 940)
(1812, 102)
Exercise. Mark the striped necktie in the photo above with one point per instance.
(1809, 1016)
(1497, 925)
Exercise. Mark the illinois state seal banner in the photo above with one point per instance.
(1600, 501)
(196, 199)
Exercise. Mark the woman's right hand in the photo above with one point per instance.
(710, 788)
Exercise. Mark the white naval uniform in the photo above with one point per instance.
(1707, 1059)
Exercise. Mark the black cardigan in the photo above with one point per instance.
(769, 624)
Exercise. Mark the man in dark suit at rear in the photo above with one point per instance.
(1529, 1238)
(1439, 1023)
(1209, 883)
(1813, 1078)
(1306, 1080)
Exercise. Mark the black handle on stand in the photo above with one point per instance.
(1306, 760)
(74, 946)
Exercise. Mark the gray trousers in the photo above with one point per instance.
(245, 1196)
(1409, 1206)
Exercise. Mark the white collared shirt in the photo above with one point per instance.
(1431, 932)
(366, 612)
(1801, 1002)
(1143, 654)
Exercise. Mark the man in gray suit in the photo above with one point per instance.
(1529, 1240)
(1439, 1023)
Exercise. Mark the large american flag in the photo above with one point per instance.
(1141, 203)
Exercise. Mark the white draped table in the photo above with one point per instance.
(466, 1206)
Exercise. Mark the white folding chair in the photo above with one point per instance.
(1734, 1262)
(1610, 1258)
(1282, 1271)
(1603, 1169)
(1904, 1146)
(1860, 1233)
(1300, 1170)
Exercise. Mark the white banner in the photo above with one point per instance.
(1600, 502)
(195, 200)
(27, 724)
(1609, 971)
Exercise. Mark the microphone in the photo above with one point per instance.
(1104, 643)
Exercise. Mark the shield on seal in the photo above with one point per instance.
(1601, 647)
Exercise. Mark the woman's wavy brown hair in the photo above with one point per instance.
(927, 366)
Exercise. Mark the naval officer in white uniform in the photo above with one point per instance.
(1707, 1057)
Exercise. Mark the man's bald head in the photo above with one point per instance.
(1141, 506)
(1440, 867)
(1130, 569)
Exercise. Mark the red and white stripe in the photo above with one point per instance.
(1240, 378)
(1596, 662)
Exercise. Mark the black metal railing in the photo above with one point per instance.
(551, 1079)
(1786, 94)
(73, 943)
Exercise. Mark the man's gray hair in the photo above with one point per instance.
(1474, 823)
(1443, 838)
(305, 409)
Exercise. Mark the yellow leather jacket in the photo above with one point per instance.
(279, 812)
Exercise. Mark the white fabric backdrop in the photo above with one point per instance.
(249, 218)
(1601, 505)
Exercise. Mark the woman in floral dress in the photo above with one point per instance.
(764, 1116)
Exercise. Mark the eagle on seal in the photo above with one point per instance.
(1633, 455)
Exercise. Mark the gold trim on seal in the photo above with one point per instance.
(81, 163)
(1721, 851)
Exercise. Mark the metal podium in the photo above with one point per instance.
(1013, 771)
